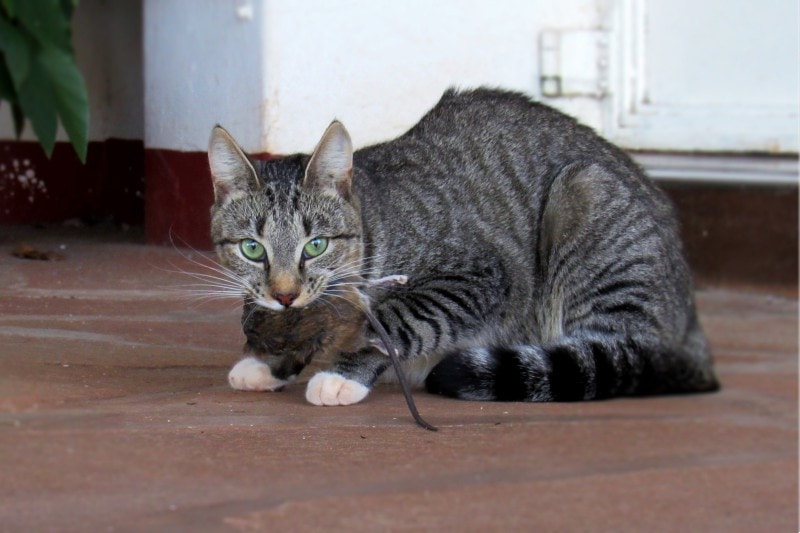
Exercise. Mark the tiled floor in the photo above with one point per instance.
(115, 415)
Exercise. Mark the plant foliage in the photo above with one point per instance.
(38, 74)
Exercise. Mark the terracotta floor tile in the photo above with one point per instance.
(115, 415)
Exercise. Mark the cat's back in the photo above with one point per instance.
(488, 134)
(486, 114)
(479, 169)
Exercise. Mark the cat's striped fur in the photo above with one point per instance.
(542, 264)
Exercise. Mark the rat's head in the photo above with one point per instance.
(288, 231)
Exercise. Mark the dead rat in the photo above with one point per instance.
(288, 340)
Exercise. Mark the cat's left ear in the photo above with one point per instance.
(331, 164)
(231, 170)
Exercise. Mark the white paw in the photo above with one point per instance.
(328, 388)
(252, 374)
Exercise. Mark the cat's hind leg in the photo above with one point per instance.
(614, 314)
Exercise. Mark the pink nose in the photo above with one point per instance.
(285, 299)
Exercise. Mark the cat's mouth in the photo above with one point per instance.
(272, 305)
(303, 300)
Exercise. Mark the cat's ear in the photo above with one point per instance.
(232, 172)
(331, 164)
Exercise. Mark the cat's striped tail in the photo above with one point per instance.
(574, 368)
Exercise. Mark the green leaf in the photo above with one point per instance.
(68, 6)
(37, 101)
(46, 21)
(16, 48)
(7, 91)
(38, 74)
(69, 91)
(19, 119)
(8, 7)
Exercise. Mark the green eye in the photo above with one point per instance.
(315, 247)
(252, 250)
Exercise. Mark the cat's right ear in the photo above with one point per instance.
(232, 172)
(331, 165)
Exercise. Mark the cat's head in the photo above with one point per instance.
(289, 230)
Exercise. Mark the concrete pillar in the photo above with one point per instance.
(203, 65)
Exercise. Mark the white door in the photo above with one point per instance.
(703, 75)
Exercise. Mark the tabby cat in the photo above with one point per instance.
(510, 252)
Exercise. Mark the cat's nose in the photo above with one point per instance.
(285, 298)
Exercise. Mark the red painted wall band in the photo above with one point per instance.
(38, 190)
(178, 197)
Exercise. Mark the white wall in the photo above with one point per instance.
(379, 65)
(724, 79)
(276, 73)
(202, 67)
(108, 45)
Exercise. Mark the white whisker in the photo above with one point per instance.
(355, 267)
(322, 300)
(216, 283)
(254, 307)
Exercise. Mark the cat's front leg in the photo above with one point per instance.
(252, 374)
(349, 380)
(330, 388)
